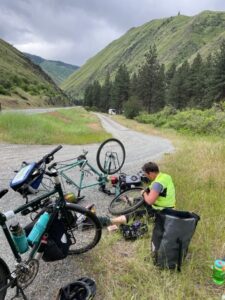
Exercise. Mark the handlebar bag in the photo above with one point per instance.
(171, 236)
(25, 181)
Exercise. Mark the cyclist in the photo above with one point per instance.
(159, 195)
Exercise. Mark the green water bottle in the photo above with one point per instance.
(218, 275)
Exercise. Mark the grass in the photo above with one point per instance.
(125, 270)
(74, 126)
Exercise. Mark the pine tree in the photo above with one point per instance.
(197, 82)
(160, 87)
(88, 96)
(106, 94)
(168, 78)
(120, 90)
(179, 90)
(134, 85)
(96, 94)
(209, 82)
(218, 80)
(148, 80)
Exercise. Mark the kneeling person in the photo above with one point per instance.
(159, 195)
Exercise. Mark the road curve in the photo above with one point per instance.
(139, 147)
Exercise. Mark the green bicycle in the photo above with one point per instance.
(80, 226)
(110, 159)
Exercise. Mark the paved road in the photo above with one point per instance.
(34, 110)
(139, 149)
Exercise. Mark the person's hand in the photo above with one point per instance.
(142, 193)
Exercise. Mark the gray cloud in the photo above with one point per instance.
(74, 30)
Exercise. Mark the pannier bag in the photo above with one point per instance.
(58, 241)
(171, 236)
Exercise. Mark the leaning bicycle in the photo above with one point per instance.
(81, 227)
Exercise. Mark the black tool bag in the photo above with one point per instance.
(171, 236)
(133, 231)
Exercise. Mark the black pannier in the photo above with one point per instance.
(58, 241)
(171, 236)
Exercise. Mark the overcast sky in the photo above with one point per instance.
(74, 30)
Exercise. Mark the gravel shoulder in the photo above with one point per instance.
(140, 148)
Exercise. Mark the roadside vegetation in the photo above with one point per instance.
(74, 126)
(125, 270)
(193, 121)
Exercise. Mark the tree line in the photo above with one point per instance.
(199, 84)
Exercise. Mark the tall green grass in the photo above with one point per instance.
(74, 126)
(125, 270)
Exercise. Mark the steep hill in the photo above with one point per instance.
(176, 38)
(23, 83)
(57, 70)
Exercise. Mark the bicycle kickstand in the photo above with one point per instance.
(19, 291)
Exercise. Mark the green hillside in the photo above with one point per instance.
(23, 83)
(176, 38)
(57, 70)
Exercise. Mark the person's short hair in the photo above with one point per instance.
(150, 167)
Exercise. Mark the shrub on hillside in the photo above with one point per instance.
(132, 108)
(159, 119)
(4, 91)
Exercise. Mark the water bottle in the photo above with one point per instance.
(219, 272)
(19, 237)
(38, 229)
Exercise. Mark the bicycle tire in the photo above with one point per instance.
(84, 229)
(4, 275)
(113, 145)
(126, 202)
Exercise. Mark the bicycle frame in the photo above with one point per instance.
(3, 219)
(102, 178)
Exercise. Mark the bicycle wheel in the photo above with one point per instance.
(83, 227)
(4, 274)
(126, 202)
(111, 156)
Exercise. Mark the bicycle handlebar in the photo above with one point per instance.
(47, 156)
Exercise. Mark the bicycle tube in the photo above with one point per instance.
(101, 164)
(4, 275)
(126, 202)
(83, 227)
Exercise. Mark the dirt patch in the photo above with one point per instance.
(95, 126)
(57, 115)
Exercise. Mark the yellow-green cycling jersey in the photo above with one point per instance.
(166, 197)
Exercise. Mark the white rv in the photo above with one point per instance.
(112, 111)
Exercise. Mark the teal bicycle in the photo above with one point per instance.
(80, 226)
(110, 159)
